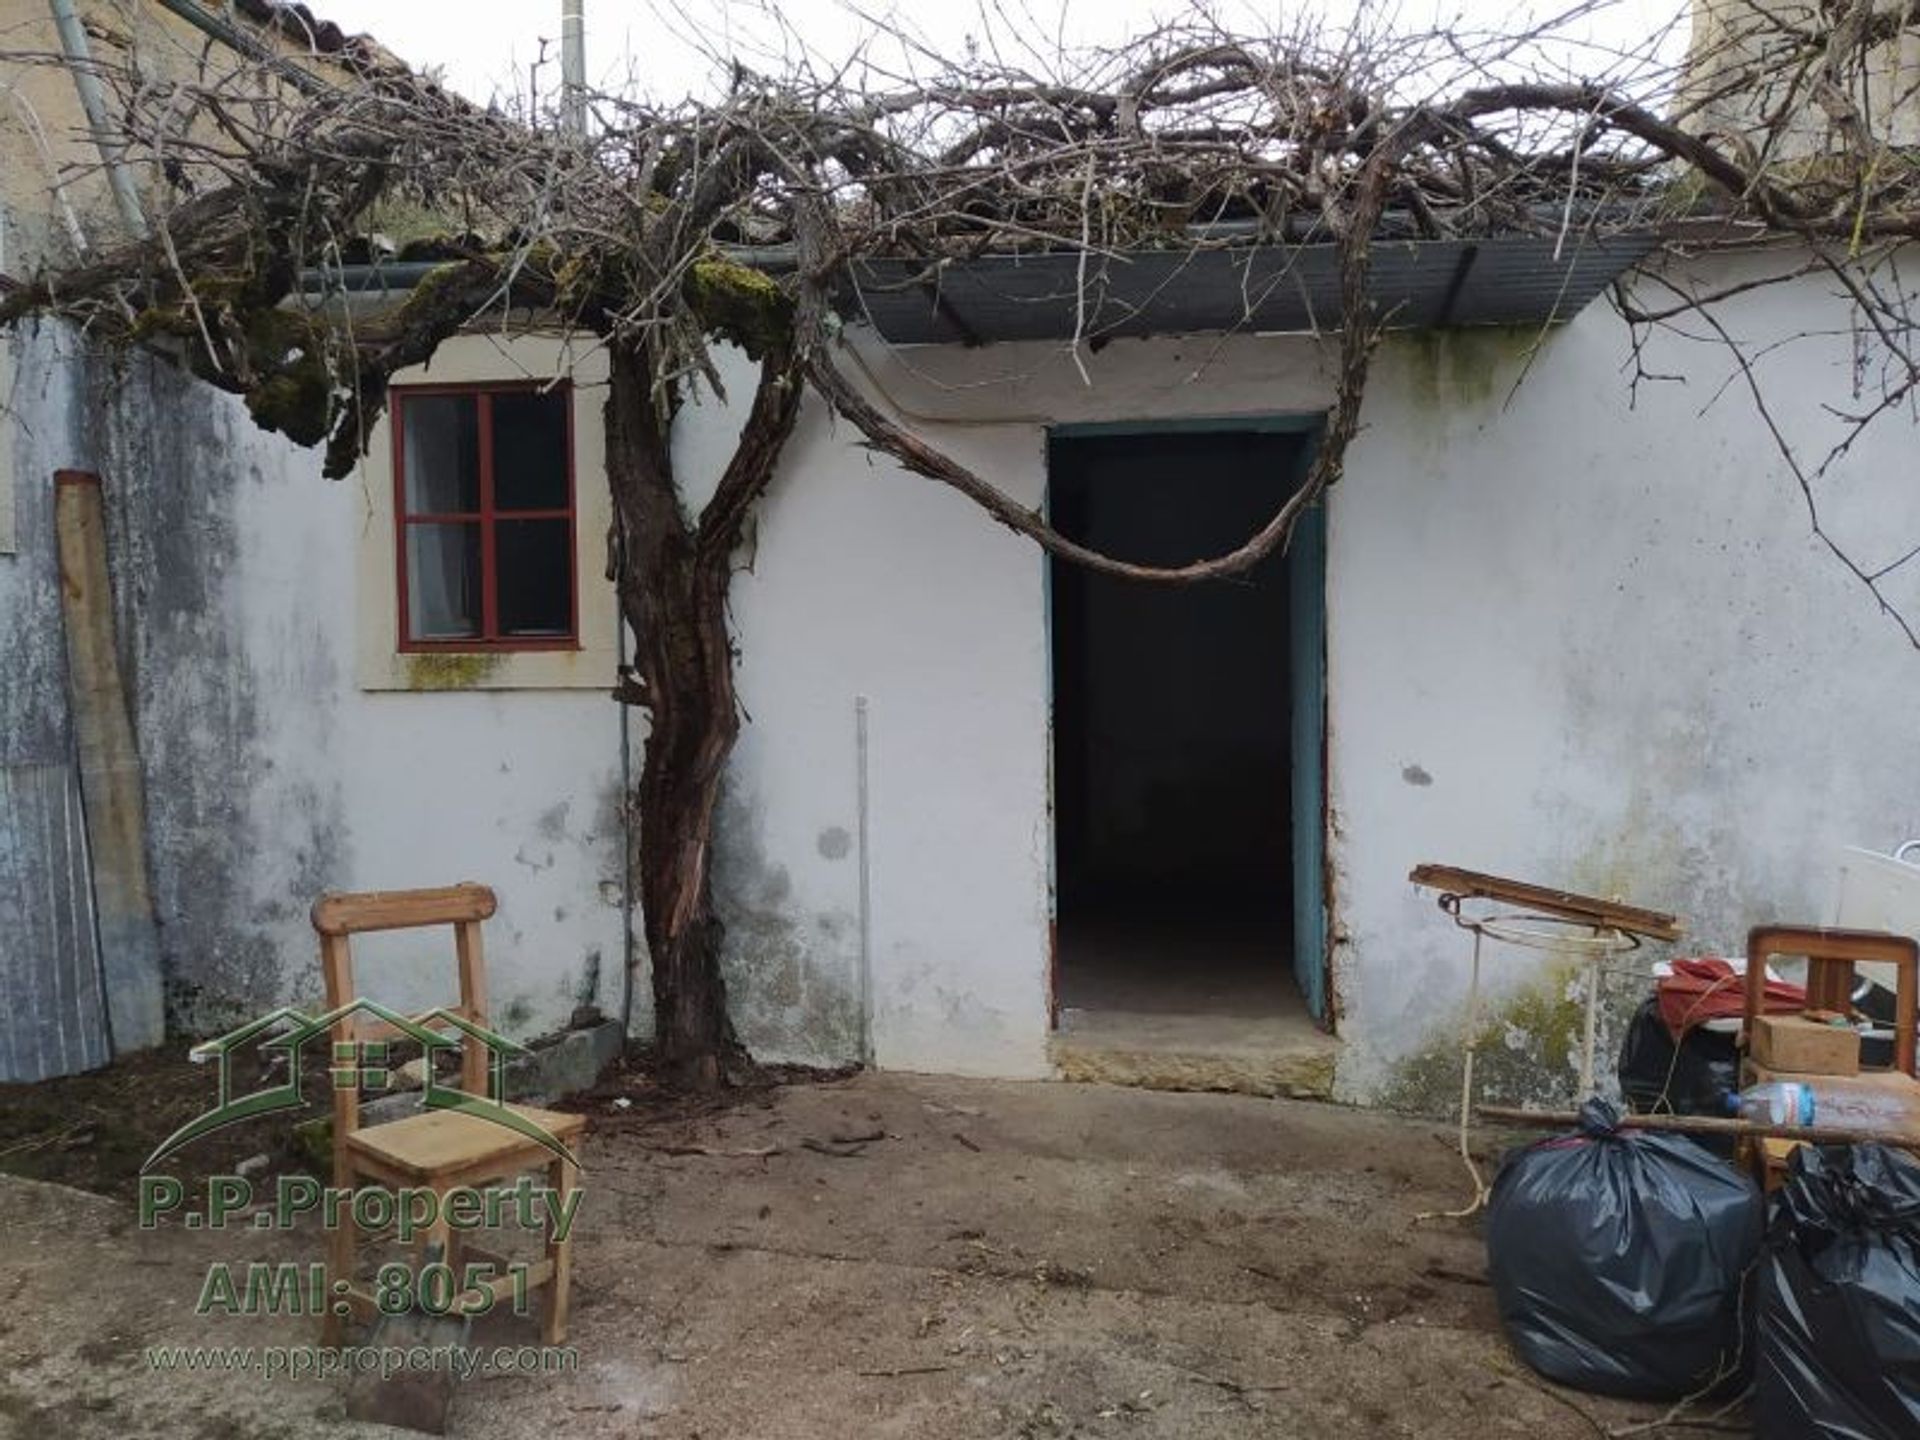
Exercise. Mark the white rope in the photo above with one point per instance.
(1524, 931)
(1469, 1044)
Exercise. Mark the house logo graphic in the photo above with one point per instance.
(360, 1064)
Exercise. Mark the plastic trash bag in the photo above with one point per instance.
(1838, 1356)
(1692, 1077)
(1617, 1259)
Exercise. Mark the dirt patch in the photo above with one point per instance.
(890, 1256)
(94, 1131)
(629, 1096)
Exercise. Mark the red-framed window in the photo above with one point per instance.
(484, 511)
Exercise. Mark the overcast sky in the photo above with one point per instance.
(483, 46)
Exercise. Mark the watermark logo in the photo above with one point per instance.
(355, 1061)
(356, 1064)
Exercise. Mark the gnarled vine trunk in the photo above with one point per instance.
(672, 574)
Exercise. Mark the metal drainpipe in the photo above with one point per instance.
(573, 65)
(93, 100)
(242, 43)
(626, 837)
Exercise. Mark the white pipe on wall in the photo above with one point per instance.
(93, 100)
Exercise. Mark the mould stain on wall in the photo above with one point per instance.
(1527, 1048)
(428, 671)
(1462, 370)
(177, 459)
(790, 973)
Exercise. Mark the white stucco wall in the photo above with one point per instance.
(1602, 627)
(271, 774)
(868, 582)
(1575, 635)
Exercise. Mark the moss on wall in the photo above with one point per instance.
(1527, 1049)
(1467, 367)
(449, 672)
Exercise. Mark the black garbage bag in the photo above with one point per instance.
(1693, 1077)
(1618, 1256)
(1838, 1354)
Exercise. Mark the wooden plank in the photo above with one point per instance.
(1563, 904)
(1707, 1125)
(112, 788)
(350, 914)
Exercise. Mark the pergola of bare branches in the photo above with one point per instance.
(656, 230)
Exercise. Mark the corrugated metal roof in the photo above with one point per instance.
(54, 1019)
(1419, 284)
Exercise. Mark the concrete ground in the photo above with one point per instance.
(1005, 1260)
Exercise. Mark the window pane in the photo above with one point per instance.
(535, 560)
(441, 453)
(443, 581)
(530, 450)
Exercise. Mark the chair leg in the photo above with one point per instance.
(441, 1234)
(560, 1254)
(342, 1245)
(456, 1256)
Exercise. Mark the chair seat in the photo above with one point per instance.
(448, 1144)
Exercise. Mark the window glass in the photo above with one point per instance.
(534, 572)
(441, 441)
(530, 450)
(443, 581)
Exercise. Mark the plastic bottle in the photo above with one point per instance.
(1799, 1104)
(1779, 1102)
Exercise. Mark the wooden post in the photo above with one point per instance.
(112, 787)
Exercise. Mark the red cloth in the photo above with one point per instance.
(1707, 988)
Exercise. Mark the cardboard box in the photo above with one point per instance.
(1804, 1047)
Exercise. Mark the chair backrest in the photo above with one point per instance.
(340, 916)
(1831, 956)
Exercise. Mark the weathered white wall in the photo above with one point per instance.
(1575, 636)
(865, 581)
(1602, 630)
(271, 775)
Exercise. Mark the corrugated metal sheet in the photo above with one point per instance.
(1510, 280)
(53, 1021)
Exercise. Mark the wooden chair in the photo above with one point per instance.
(437, 1149)
(1831, 956)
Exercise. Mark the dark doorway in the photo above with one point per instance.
(1175, 712)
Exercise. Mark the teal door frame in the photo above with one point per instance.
(1307, 673)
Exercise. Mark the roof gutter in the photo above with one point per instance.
(238, 40)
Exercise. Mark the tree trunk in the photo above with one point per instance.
(672, 575)
(683, 659)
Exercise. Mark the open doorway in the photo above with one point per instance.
(1187, 740)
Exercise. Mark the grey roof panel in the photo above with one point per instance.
(1417, 284)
